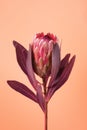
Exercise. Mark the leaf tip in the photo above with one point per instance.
(15, 43)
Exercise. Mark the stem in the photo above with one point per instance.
(46, 106)
(46, 116)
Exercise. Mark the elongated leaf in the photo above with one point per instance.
(62, 66)
(40, 98)
(55, 62)
(62, 79)
(33, 80)
(64, 61)
(30, 70)
(65, 74)
(21, 54)
(21, 88)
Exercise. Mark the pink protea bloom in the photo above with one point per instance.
(42, 53)
(42, 58)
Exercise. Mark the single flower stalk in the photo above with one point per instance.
(42, 58)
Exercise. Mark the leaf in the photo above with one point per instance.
(66, 72)
(30, 70)
(21, 54)
(64, 61)
(33, 80)
(40, 98)
(21, 88)
(62, 79)
(55, 62)
(62, 66)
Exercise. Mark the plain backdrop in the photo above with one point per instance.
(20, 20)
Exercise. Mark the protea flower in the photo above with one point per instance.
(42, 53)
(43, 58)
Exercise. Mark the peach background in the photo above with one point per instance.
(20, 20)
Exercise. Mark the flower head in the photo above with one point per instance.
(42, 48)
(43, 58)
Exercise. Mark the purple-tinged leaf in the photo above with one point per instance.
(30, 70)
(62, 66)
(62, 79)
(34, 82)
(66, 72)
(55, 62)
(21, 54)
(64, 61)
(40, 98)
(21, 88)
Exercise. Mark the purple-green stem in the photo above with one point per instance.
(46, 106)
(46, 116)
